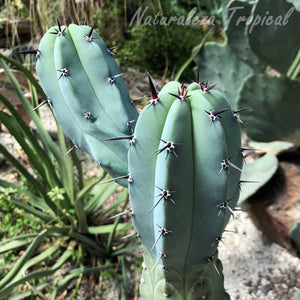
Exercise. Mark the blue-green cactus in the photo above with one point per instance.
(185, 170)
(87, 93)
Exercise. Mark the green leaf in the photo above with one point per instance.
(27, 255)
(10, 124)
(105, 229)
(100, 196)
(275, 147)
(32, 139)
(297, 295)
(219, 65)
(275, 108)
(27, 73)
(276, 45)
(295, 233)
(125, 249)
(31, 208)
(261, 171)
(236, 33)
(35, 183)
(39, 273)
(75, 273)
(122, 198)
(194, 53)
(14, 244)
(45, 137)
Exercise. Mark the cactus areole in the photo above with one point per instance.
(185, 170)
(87, 93)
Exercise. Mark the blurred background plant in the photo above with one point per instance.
(257, 67)
(159, 49)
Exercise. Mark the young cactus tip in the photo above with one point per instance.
(81, 79)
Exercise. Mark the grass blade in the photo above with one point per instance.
(100, 197)
(33, 140)
(9, 123)
(123, 196)
(26, 72)
(106, 229)
(45, 137)
(14, 244)
(75, 273)
(40, 273)
(28, 253)
(35, 183)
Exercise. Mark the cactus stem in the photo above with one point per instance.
(210, 259)
(214, 115)
(121, 214)
(72, 148)
(112, 79)
(59, 32)
(163, 232)
(89, 36)
(130, 235)
(169, 147)
(110, 50)
(161, 256)
(47, 101)
(64, 72)
(164, 194)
